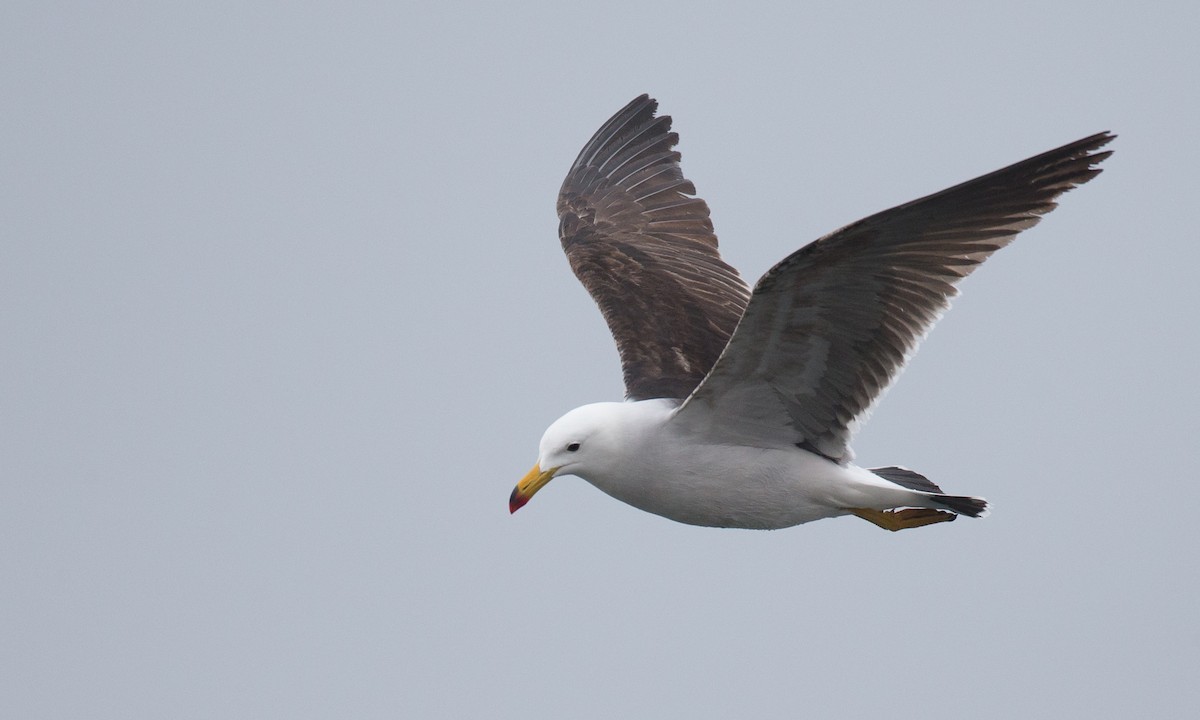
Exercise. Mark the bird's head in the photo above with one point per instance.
(573, 444)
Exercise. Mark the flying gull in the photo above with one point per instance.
(740, 405)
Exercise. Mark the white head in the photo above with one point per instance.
(582, 442)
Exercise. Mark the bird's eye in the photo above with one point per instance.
(572, 447)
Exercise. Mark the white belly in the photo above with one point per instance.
(640, 457)
(744, 487)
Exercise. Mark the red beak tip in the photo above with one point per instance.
(516, 502)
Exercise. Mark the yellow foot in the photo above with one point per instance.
(901, 519)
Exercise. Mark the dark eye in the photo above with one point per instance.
(572, 447)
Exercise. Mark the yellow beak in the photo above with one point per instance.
(533, 481)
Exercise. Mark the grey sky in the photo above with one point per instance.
(285, 315)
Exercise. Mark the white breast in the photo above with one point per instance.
(688, 480)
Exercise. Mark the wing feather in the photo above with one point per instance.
(643, 246)
(829, 328)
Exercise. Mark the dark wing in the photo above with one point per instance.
(643, 246)
(829, 327)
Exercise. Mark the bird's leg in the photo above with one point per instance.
(901, 519)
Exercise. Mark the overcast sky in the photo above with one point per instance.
(284, 316)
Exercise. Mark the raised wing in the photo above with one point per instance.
(643, 246)
(829, 327)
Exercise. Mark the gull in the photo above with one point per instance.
(740, 405)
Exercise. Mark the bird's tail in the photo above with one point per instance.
(961, 504)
